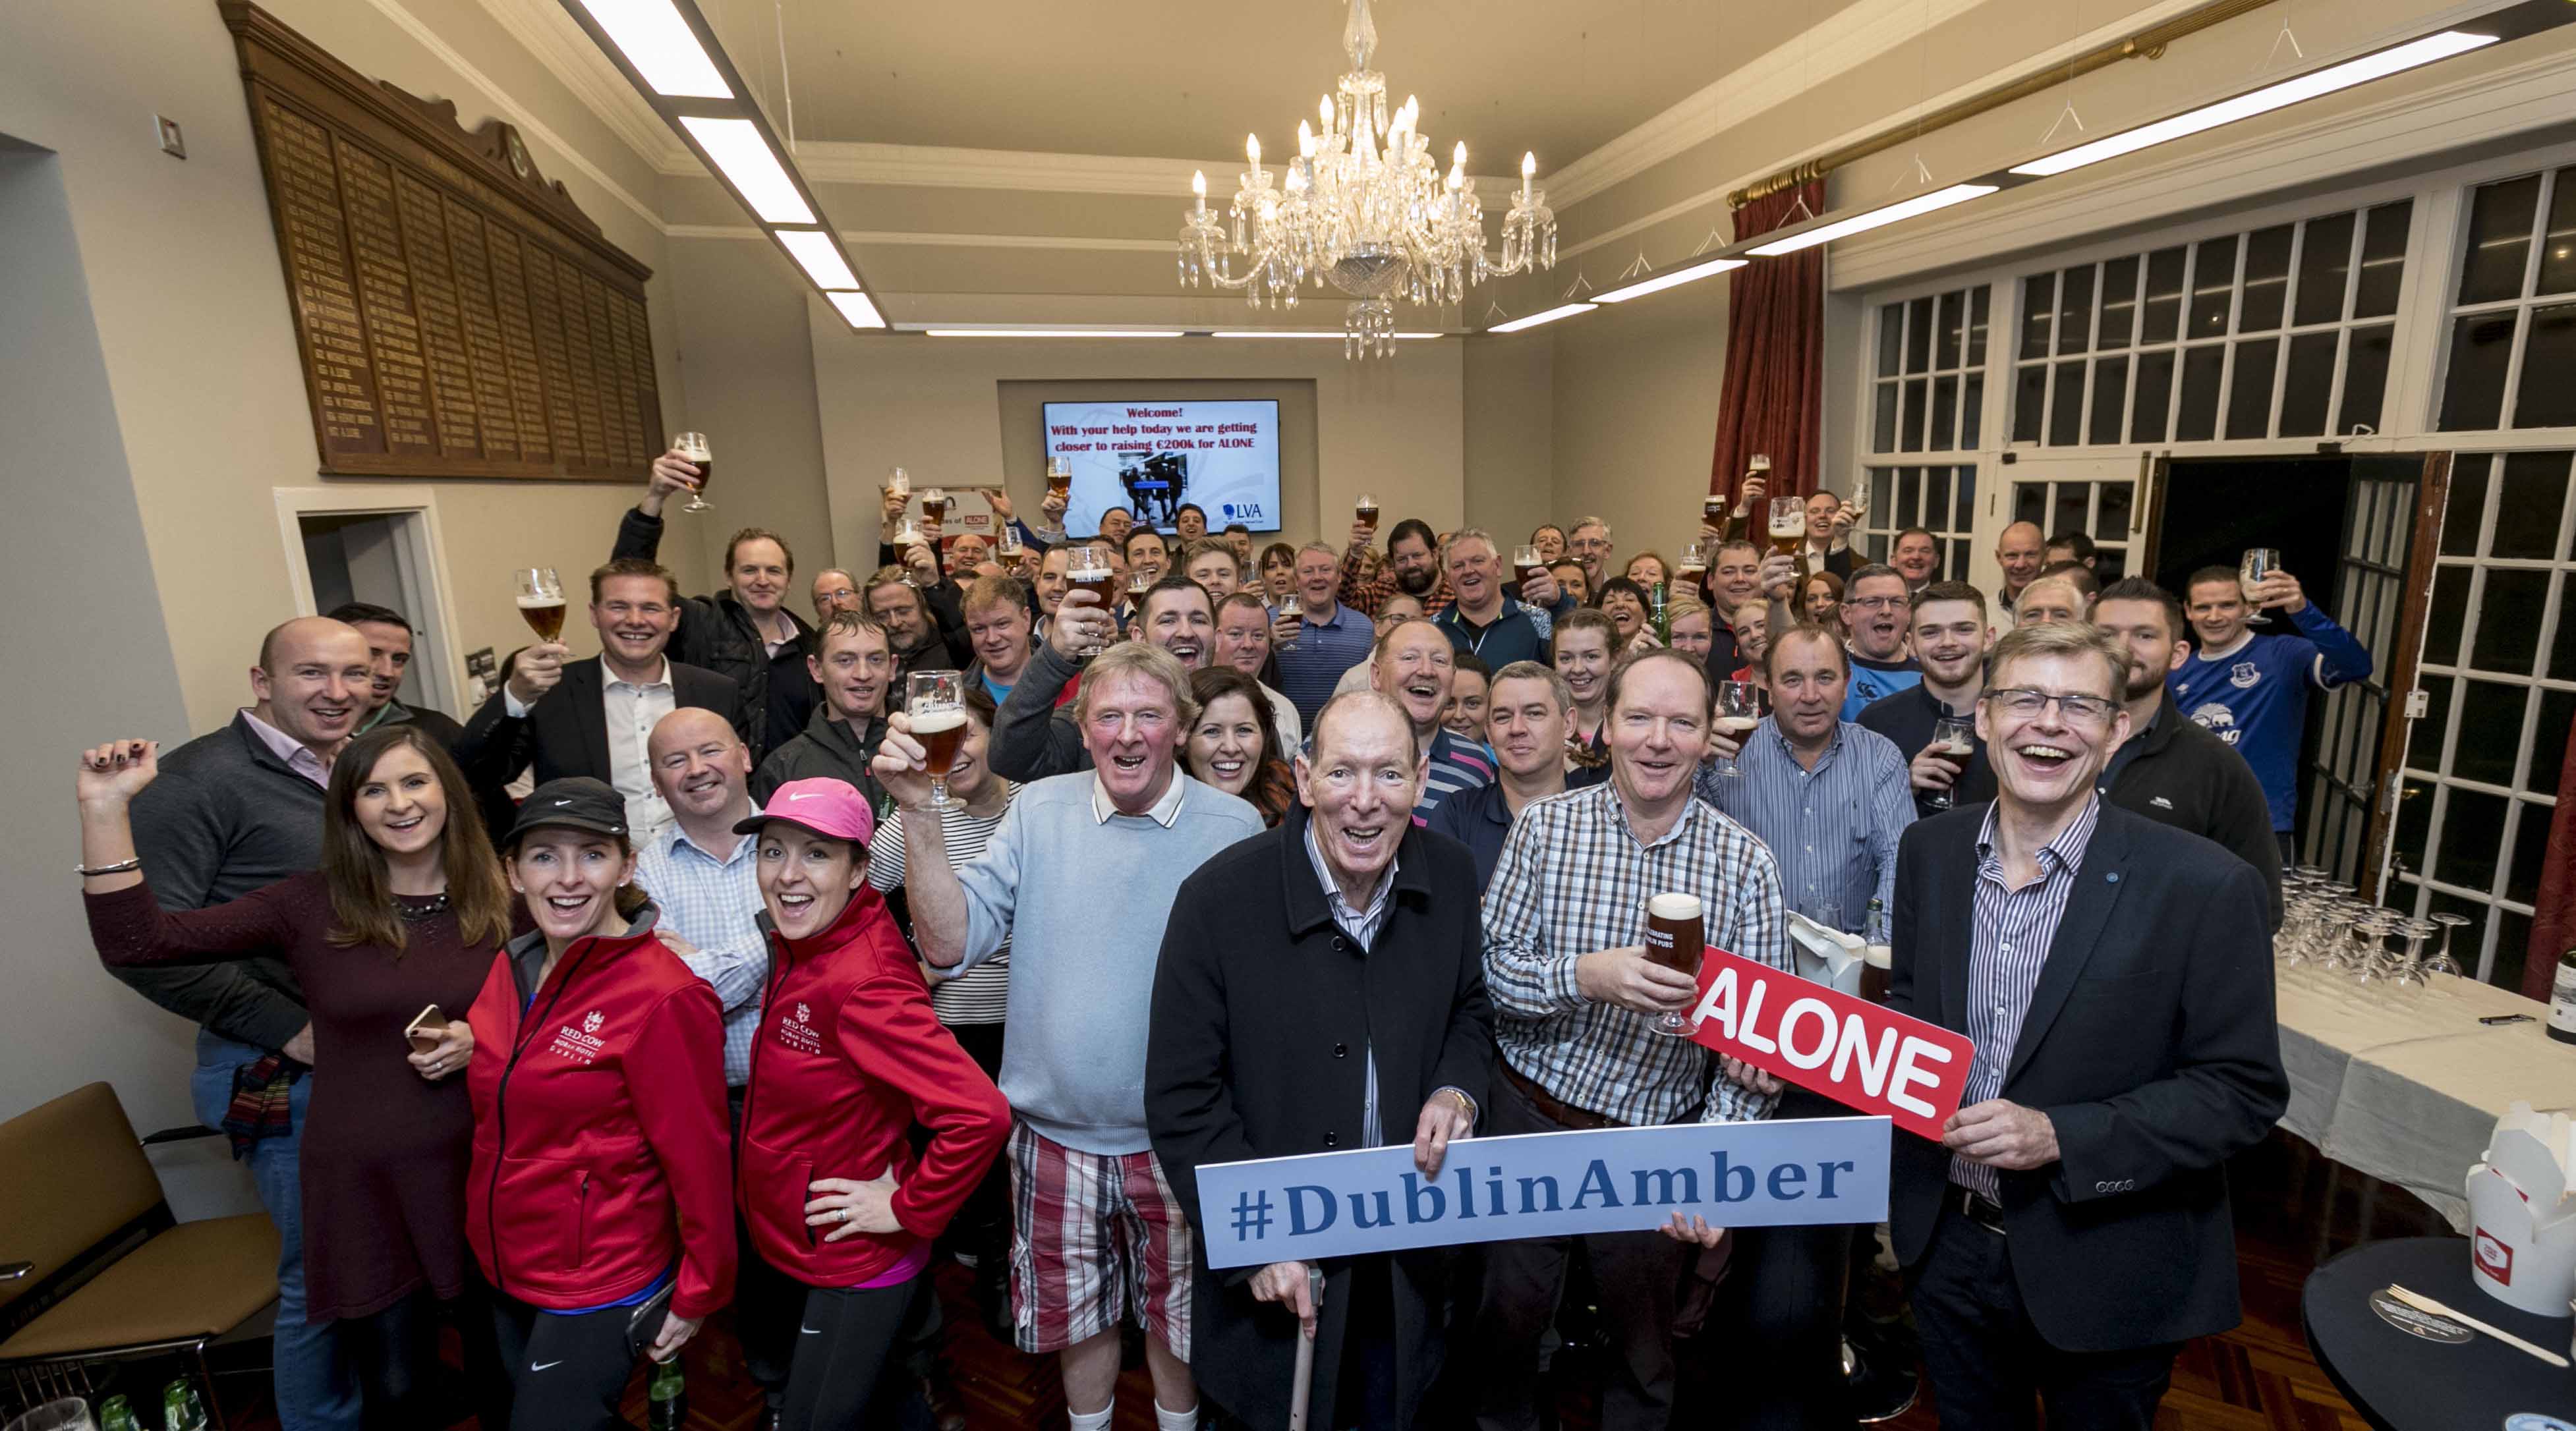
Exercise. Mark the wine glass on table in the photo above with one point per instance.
(541, 602)
(2443, 963)
(938, 712)
(2259, 565)
(693, 446)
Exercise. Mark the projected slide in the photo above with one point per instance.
(1151, 457)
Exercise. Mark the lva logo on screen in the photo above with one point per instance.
(1245, 512)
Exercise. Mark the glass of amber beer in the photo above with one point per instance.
(939, 722)
(1676, 937)
(693, 446)
(541, 602)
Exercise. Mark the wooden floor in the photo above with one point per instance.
(2292, 1209)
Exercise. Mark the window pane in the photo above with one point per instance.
(1964, 515)
(2066, 412)
(2038, 305)
(2213, 282)
(1918, 335)
(1945, 414)
(2249, 396)
(2110, 563)
(2200, 374)
(2535, 488)
(1882, 484)
(1972, 410)
(2155, 394)
(2548, 398)
(2066, 513)
(2114, 508)
(2074, 310)
(2030, 403)
(2490, 738)
(2325, 261)
(2119, 303)
(2558, 245)
(2365, 377)
(2509, 610)
(2531, 837)
(2383, 260)
(2163, 310)
(2467, 506)
(1909, 498)
(1909, 435)
(2499, 239)
(1883, 423)
(2472, 829)
(2030, 502)
(1936, 497)
(2450, 610)
(1945, 331)
(1891, 338)
(2110, 390)
(2267, 279)
(2415, 816)
(2473, 392)
(1977, 327)
(2424, 742)
(2309, 384)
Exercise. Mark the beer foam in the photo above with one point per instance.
(539, 603)
(933, 722)
(1673, 906)
(1878, 956)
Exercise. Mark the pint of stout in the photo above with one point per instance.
(1526, 564)
(1675, 934)
(1712, 509)
(940, 732)
(544, 615)
(1093, 579)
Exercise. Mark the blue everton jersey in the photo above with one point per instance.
(1871, 680)
(2256, 697)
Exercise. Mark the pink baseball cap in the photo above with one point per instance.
(828, 807)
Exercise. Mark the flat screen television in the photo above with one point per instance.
(1151, 456)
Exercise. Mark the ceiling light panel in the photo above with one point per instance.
(856, 308)
(1674, 279)
(1875, 218)
(737, 148)
(1548, 316)
(659, 44)
(820, 256)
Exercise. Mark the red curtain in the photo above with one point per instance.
(1772, 400)
(2553, 921)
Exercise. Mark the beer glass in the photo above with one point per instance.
(1287, 610)
(1760, 463)
(1694, 565)
(1086, 568)
(1788, 524)
(1006, 543)
(935, 503)
(899, 484)
(541, 602)
(1954, 741)
(1138, 583)
(1676, 938)
(1527, 565)
(1857, 504)
(907, 533)
(2260, 563)
(693, 446)
(1712, 509)
(938, 714)
(1739, 710)
(1366, 510)
(1060, 478)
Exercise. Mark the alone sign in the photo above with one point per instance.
(1848, 1049)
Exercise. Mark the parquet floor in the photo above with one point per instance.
(2292, 1209)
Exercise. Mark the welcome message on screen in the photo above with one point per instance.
(1152, 456)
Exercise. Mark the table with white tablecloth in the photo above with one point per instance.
(2405, 1084)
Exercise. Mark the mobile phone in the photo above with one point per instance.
(424, 1029)
(645, 1322)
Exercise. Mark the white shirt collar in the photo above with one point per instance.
(611, 678)
(1163, 813)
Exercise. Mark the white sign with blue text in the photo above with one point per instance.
(1772, 1174)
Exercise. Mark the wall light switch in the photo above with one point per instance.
(172, 142)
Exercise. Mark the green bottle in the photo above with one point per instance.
(667, 1398)
(1656, 613)
(117, 1414)
(180, 1408)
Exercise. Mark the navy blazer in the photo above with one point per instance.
(2151, 1044)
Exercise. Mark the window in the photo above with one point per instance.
(2513, 315)
(1929, 389)
(2499, 676)
(2100, 510)
(2281, 332)
(1941, 500)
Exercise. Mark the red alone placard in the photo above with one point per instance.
(1848, 1049)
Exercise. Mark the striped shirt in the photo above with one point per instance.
(2014, 928)
(1834, 828)
(981, 995)
(714, 903)
(1574, 879)
(1309, 668)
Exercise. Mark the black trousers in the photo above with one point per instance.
(569, 1372)
(1779, 1317)
(765, 1300)
(845, 1343)
(1990, 1367)
(402, 1383)
(983, 1225)
(1636, 1274)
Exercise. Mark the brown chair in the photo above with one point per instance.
(94, 1268)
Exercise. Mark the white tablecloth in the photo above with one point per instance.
(2406, 1086)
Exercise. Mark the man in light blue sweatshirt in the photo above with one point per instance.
(1085, 866)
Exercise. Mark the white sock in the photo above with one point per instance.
(1176, 1420)
(1093, 1420)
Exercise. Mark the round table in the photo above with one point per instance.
(2399, 1381)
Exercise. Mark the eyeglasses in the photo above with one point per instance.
(2024, 702)
(1876, 603)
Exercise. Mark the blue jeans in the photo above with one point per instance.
(314, 1389)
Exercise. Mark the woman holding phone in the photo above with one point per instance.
(850, 1059)
(399, 925)
(597, 1202)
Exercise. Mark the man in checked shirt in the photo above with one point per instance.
(1574, 997)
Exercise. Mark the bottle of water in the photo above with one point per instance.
(667, 1397)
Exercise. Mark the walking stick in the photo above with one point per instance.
(1306, 1352)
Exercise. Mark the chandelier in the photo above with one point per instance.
(1379, 223)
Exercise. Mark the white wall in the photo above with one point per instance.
(1635, 393)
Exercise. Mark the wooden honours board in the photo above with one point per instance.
(457, 315)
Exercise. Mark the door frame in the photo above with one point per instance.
(419, 550)
(2432, 503)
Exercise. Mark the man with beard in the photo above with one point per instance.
(1318, 984)
(1243, 642)
(1413, 667)
(1875, 604)
(997, 621)
(1950, 636)
(1079, 880)
(744, 633)
(895, 602)
(595, 717)
(1575, 997)
(1412, 567)
(1916, 556)
(1482, 620)
(1528, 712)
(2021, 551)
(2070, 1231)
(1036, 735)
(1323, 638)
(856, 667)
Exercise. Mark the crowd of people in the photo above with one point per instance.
(666, 981)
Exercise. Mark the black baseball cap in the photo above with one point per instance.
(576, 802)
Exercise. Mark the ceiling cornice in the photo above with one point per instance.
(558, 43)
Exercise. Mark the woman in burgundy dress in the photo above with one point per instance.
(407, 911)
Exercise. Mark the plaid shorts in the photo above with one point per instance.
(1093, 1234)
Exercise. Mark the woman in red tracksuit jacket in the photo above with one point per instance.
(848, 1059)
(597, 1204)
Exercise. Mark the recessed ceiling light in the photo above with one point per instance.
(661, 47)
(738, 149)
